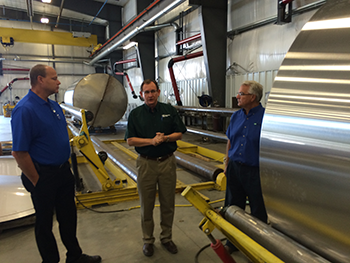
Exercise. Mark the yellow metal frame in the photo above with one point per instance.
(254, 251)
(47, 37)
(85, 146)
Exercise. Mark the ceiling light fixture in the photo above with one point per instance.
(44, 20)
(46, 1)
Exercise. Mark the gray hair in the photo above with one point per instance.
(255, 88)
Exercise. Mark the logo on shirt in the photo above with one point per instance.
(165, 115)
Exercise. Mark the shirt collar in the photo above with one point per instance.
(36, 97)
(253, 110)
(156, 108)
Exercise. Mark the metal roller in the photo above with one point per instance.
(277, 243)
(101, 94)
(117, 159)
(200, 167)
(305, 138)
(76, 112)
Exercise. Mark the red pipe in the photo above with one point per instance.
(10, 83)
(127, 78)
(15, 69)
(171, 72)
(123, 29)
(220, 250)
(132, 90)
(186, 40)
(285, 1)
(125, 61)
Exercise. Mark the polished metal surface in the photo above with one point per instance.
(15, 200)
(76, 112)
(274, 241)
(205, 133)
(202, 168)
(101, 94)
(224, 111)
(305, 138)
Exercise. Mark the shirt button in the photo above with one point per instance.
(245, 127)
(241, 144)
(240, 154)
(247, 118)
(243, 135)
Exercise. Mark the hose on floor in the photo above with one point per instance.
(136, 207)
(204, 248)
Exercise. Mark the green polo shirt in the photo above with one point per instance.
(143, 123)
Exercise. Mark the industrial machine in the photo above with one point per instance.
(101, 94)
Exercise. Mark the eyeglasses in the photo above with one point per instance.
(243, 94)
(150, 91)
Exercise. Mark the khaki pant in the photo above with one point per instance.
(152, 175)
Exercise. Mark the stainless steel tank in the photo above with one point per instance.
(101, 94)
(305, 138)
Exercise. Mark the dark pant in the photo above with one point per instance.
(244, 181)
(54, 192)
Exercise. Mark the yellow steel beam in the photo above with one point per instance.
(254, 251)
(186, 147)
(47, 37)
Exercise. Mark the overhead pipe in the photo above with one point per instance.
(189, 39)
(60, 13)
(10, 83)
(171, 72)
(15, 69)
(225, 111)
(129, 82)
(274, 241)
(160, 26)
(135, 31)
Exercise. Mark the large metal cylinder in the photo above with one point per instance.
(305, 138)
(101, 94)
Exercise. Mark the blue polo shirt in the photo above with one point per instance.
(244, 135)
(37, 129)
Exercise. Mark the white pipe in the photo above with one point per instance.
(134, 32)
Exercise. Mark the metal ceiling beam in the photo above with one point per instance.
(125, 34)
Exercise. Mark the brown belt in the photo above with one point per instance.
(159, 159)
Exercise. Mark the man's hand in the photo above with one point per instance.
(158, 139)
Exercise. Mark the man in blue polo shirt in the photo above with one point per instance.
(41, 148)
(242, 153)
(153, 128)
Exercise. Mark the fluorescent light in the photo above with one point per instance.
(46, 1)
(131, 44)
(44, 20)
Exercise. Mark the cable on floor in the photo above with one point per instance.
(204, 248)
(136, 207)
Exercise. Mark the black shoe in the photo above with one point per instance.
(148, 249)
(89, 259)
(171, 247)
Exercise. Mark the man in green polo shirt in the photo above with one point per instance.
(153, 128)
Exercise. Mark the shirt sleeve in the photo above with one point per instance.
(179, 126)
(22, 133)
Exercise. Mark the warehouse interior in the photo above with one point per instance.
(199, 52)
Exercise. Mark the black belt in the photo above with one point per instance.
(159, 159)
(44, 168)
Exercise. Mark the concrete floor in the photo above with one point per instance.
(116, 236)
